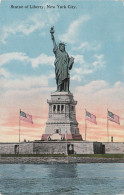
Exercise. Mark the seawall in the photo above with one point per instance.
(66, 159)
(51, 147)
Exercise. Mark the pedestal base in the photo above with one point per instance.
(63, 137)
(62, 117)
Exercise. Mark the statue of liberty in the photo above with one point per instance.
(63, 63)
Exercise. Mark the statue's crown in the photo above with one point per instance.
(62, 43)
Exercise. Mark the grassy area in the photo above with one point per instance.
(99, 155)
(62, 155)
(32, 155)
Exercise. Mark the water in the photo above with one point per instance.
(62, 179)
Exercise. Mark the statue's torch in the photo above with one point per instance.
(52, 32)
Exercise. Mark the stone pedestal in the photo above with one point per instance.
(62, 117)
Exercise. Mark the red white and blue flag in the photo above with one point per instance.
(90, 117)
(113, 117)
(25, 117)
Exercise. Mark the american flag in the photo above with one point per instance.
(25, 117)
(113, 117)
(90, 117)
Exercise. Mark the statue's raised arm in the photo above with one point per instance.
(52, 37)
(63, 64)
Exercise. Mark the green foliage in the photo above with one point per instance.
(32, 155)
(98, 155)
(63, 155)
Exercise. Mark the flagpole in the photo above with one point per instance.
(85, 126)
(107, 127)
(19, 126)
(85, 129)
(66, 144)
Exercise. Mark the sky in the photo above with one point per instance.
(94, 35)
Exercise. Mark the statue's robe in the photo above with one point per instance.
(61, 66)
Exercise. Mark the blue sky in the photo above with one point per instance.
(98, 37)
(93, 33)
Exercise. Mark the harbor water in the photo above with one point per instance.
(62, 179)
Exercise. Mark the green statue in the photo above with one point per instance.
(63, 63)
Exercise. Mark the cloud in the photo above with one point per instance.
(7, 57)
(119, 84)
(76, 77)
(71, 36)
(25, 82)
(99, 61)
(24, 91)
(42, 59)
(87, 46)
(34, 22)
(101, 95)
(19, 56)
(4, 73)
(79, 59)
(83, 67)
(92, 87)
(34, 99)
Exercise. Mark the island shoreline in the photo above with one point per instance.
(62, 160)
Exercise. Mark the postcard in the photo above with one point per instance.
(61, 97)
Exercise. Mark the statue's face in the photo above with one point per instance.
(62, 47)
